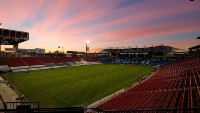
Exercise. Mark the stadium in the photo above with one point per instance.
(123, 79)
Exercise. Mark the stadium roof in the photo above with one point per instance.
(144, 49)
(194, 47)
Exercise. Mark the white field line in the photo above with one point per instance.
(47, 92)
(105, 99)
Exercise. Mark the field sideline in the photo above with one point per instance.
(75, 86)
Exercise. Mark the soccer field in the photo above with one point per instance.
(75, 86)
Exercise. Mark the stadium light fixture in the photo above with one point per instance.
(87, 41)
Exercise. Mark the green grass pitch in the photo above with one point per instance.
(75, 86)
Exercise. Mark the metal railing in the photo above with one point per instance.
(2, 104)
(13, 105)
(28, 109)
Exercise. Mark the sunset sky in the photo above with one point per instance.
(106, 23)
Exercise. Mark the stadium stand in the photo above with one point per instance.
(66, 59)
(174, 86)
(56, 60)
(106, 60)
(144, 62)
(161, 63)
(93, 59)
(74, 59)
(36, 63)
(45, 60)
(51, 62)
(2, 62)
(16, 64)
(32, 61)
(3, 67)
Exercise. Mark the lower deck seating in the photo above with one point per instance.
(2, 62)
(93, 59)
(106, 60)
(14, 62)
(36, 63)
(175, 85)
(31, 61)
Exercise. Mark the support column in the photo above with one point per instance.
(86, 48)
(15, 46)
(0, 51)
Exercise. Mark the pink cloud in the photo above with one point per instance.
(171, 28)
(139, 17)
(62, 22)
(149, 15)
(15, 13)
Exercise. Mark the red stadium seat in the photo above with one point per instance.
(175, 85)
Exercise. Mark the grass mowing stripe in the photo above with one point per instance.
(49, 93)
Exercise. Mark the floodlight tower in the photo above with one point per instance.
(87, 47)
(0, 44)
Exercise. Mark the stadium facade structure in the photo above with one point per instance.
(195, 51)
(161, 52)
(12, 37)
(26, 52)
